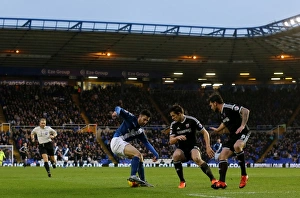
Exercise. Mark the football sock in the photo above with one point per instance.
(46, 165)
(179, 171)
(135, 165)
(223, 166)
(206, 169)
(141, 171)
(241, 158)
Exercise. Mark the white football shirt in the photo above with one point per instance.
(43, 134)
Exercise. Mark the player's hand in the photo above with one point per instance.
(210, 152)
(240, 129)
(154, 159)
(166, 130)
(214, 129)
(114, 115)
(181, 138)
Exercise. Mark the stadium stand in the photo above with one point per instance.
(99, 101)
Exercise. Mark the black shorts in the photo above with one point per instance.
(233, 138)
(23, 156)
(188, 153)
(78, 157)
(46, 148)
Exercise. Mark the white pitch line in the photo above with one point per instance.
(264, 192)
(201, 195)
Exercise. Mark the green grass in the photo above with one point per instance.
(111, 182)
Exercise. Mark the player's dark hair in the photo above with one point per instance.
(216, 98)
(176, 109)
(146, 113)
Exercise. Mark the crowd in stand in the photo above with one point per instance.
(267, 106)
(99, 102)
(4, 137)
(92, 150)
(25, 105)
(287, 148)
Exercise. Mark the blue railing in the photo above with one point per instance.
(157, 29)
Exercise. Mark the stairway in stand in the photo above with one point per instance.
(75, 98)
(2, 117)
(158, 109)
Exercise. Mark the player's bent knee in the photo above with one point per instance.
(198, 161)
(178, 157)
(139, 155)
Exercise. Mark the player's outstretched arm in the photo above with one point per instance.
(209, 150)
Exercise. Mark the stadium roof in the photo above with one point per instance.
(152, 51)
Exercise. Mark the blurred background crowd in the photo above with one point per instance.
(67, 110)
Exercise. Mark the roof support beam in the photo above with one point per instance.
(77, 26)
(125, 28)
(28, 23)
(174, 29)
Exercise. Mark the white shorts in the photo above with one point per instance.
(65, 158)
(217, 156)
(55, 158)
(117, 146)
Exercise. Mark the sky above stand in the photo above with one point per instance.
(209, 13)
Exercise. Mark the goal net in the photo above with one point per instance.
(9, 157)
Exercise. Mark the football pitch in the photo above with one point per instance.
(111, 182)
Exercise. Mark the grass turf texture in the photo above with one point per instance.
(112, 182)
